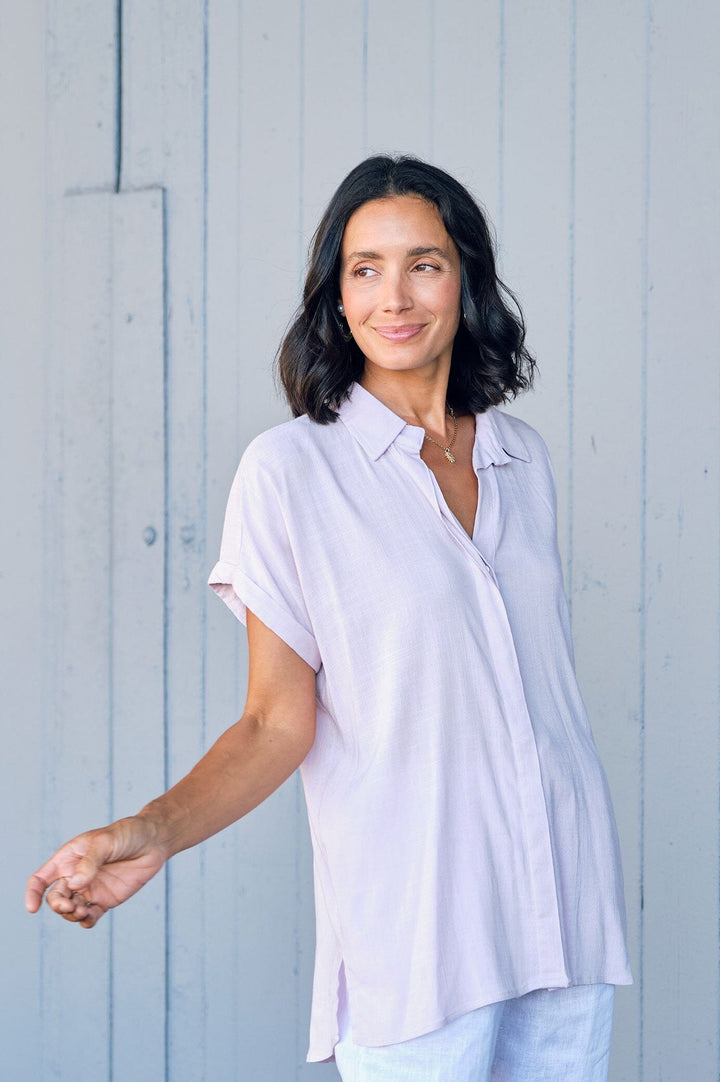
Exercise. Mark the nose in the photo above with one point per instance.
(396, 294)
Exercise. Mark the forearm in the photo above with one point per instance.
(248, 763)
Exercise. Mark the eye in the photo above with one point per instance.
(424, 268)
(364, 272)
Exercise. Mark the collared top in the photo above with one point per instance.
(464, 844)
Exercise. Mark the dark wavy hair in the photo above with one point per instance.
(490, 364)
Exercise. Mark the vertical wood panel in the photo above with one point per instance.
(535, 230)
(82, 91)
(225, 684)
(334, 104)
(81, 104)
(400, 74)
(164, 60)
(681, 740)
(466, 85)
(108, 672)
(146, 70)
(607, 420)
(138, 544)
(22, 597)
(267, 193)
(78, 788)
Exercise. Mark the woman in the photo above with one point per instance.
(393, 553)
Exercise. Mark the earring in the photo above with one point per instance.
(347, 334)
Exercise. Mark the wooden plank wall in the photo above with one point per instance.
(22, 691)
(171, 162)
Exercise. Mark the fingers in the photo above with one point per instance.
(88, 865)
(76, 861)
(61, 865)
(58, 866)
(73, 905)
(96, 871)
(34, 893)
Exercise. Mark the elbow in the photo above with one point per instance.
(292, 735)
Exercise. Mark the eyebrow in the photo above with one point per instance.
(412, 252)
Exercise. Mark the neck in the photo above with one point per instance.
(419, 397)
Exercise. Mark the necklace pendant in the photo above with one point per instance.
(448, 454)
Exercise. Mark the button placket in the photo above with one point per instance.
(551, 954)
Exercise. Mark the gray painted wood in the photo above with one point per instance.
(588, 131)
(680, 989)
(608, 432)
(78, 788)
(137, 599)
(400, 79)
(145, 68)
(82, 94)
(163, 141)
(536, 205)
(22, 580)
(466, 96)
(335, 110)
(225, 665)
(107, 616)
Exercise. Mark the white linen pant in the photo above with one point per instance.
(561, 1035)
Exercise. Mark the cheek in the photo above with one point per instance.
(443, 299)
(449, 303)
(357, 309)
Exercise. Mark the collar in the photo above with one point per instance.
(497, 440)
(376, 427)
(373, 424)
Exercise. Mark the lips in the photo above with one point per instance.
(399, 333)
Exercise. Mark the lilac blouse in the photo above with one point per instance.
(464, 844)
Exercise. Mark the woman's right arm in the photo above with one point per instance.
(102, 868)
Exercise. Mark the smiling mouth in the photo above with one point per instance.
(400, 333)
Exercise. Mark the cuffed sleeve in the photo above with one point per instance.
(257, 569)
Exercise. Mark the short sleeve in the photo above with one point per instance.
(257, 568)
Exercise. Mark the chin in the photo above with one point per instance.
(400, 363)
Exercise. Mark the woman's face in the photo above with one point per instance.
(400, 284)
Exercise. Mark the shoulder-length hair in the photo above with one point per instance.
(317, 363)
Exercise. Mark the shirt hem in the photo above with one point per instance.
(325, 1052)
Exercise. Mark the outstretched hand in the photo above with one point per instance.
(97, 870)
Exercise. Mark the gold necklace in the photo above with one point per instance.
(447, 450)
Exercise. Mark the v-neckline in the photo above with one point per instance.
(473, 530)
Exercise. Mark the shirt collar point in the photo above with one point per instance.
(496, 440)
(370, 421)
